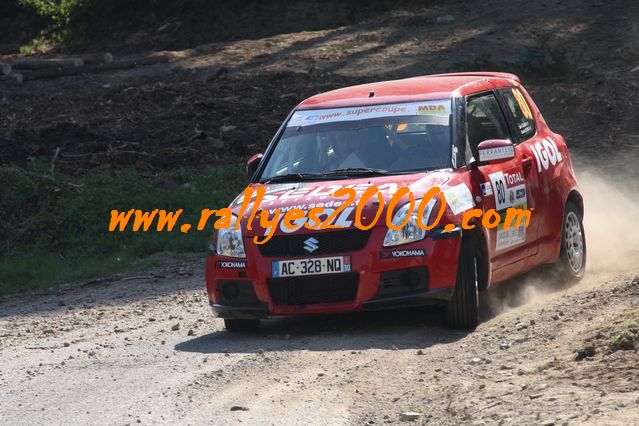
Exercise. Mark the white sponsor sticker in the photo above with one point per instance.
(489, 154)
(509, 189)
(510, 237)
(486, 189)
(459, 198)
(319, 116)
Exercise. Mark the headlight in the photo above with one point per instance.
(410, 232)
(229, 241)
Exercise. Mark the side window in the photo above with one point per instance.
(484, 120)
(521, 112)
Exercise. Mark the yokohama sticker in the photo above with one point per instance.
(231, 264)
(394, 254)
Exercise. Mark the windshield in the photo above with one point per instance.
(384, 139)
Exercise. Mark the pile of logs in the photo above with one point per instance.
(19, 69)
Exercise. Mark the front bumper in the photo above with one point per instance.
(260, 311)
(441, 252)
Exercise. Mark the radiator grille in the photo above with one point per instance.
(296, 291)
(327, 243)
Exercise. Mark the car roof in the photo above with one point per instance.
(437, 86)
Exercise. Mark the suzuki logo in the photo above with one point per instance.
(310, 245)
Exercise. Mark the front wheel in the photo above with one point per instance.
(239, 325)
(463, 308)
(572, 260)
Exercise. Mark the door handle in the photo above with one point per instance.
(526, 164)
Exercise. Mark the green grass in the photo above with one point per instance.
(41, 270)
(628, 336)
(622, 335)
(54, 228)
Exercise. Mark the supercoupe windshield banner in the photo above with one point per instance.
(310, 117)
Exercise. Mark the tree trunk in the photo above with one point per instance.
(96, 58)
(5, 69)
(14, 77)
(95, 68)
(38, 64)
(9, 49)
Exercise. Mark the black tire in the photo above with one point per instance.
(463, 308)
(240, 325)
(572, 258)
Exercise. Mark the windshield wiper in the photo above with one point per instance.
(291, 177)
(350, 171)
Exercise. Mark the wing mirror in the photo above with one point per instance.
(252, 164)
(494, 151)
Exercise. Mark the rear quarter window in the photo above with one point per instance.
(521, 112)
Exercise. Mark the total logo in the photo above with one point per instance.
(514, 178)
(546, 153)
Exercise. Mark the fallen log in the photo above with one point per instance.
(87, 58)
(75, 186)
(53, 159)
(95, 68)
(5, 69)
(37, 63)
(9, 49)
(14, 77)
(96, 58)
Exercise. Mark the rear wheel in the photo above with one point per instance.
(463, 307)
(572, 260)
(239, 325)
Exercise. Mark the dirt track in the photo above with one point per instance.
(113, 354)
(146, 348)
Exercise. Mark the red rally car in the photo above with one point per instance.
(439, 130)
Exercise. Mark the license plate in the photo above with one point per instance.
(315, 266)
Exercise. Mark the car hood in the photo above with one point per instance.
(310, 194)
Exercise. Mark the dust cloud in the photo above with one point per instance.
(611, 222)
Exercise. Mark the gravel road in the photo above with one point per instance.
(147, 350)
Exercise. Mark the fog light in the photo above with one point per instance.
(230, 291)
(410, 279)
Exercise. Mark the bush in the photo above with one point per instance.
(46, 217)
(71, 19)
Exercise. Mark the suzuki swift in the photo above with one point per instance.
(478, 137)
